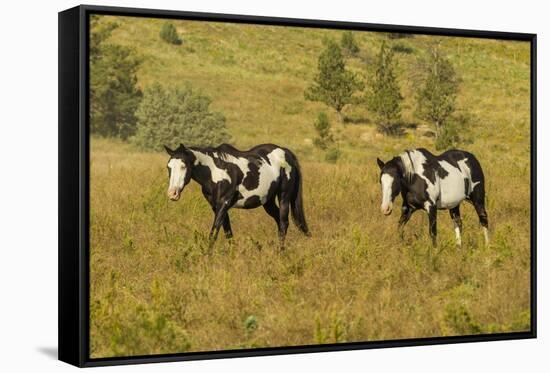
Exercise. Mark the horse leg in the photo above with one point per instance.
(432, 218)
(482, 214)
(271, 208)
(220, 215)
(284, 209)
(227, 227)
(455, 215)
(478, 199)
(406, 213)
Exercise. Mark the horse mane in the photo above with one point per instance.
(408, 166)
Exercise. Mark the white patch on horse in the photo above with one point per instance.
(277, 158)
(427, 206)
(467, 174)
(486, 234)
(217, 174)
(267, 174)
(414, 161)
(177, 176)
(458, 238)
(240, 162)
(386, 181)
(452, 186)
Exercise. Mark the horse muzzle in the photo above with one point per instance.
(386, 210)
(173, 194)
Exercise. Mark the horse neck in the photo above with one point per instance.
(200, 178)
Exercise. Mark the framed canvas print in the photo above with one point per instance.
(238, 186)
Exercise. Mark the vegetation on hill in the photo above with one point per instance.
(172, 116)
(114, 93)
(383, 93)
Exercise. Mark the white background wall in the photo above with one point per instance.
(28, 184)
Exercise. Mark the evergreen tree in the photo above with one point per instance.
(383, 96)
(333, 85)
(114, 94)
(348, 44)
(436, 98)
(170, 116)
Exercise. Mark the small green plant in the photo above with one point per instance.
(383, 96)
(349, 44)
(250, 325)
(455, 132)
(402, 48)
(324, 137)
(332, 155)
(458, 318)
(169, 34)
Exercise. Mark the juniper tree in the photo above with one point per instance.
(114, 92)
(436, 98)
(348, 44)
(383, 96)
(333, 85)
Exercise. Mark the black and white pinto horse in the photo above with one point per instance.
(428, 182)
(241, 179)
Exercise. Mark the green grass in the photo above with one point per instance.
(156, 287)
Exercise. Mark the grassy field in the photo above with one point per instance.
(156, 287)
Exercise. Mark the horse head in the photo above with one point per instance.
(179, 170)
(390, 180)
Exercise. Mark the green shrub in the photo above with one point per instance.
(169, 34)
(458, 318)
(177, 115)
(348, 44)
(324, 138)
(402, 48)
(455, 132)
(332, 155)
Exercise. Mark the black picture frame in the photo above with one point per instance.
(74, 184)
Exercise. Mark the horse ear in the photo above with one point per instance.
(380, 163)
(181, 148)
(169, 151)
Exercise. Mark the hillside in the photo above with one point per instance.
(256, 76)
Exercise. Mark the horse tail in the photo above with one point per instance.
(296, 201)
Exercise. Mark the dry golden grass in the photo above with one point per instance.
(156, 287)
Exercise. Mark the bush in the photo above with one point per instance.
(402, 48)
(348, 44)
(178, 115)
(324, 137)
(455, 132)
(114, 93)
(169, 34)
(332, 155)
